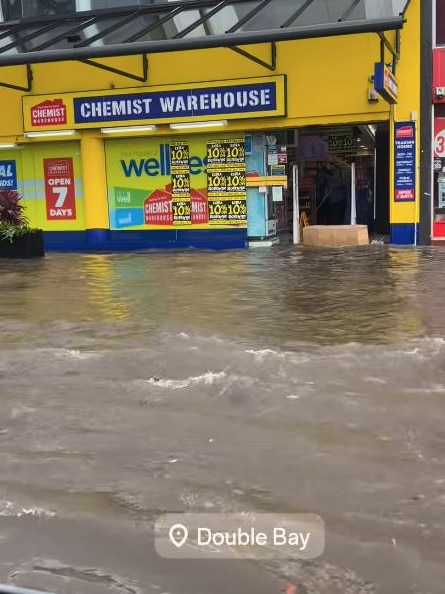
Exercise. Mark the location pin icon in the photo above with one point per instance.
(178, 534)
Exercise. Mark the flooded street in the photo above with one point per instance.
(278, 380)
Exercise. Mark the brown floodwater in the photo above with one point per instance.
(278, 380)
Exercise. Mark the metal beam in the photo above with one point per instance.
(66, 34)
(131, 17)
(154, 25)
(211, 41)
(350, 10)
(297, 13)
(120, 72)
(202, 20)
(28, 37)
(12, 31)
(397, 56)
(387, 44)
(273, 57)
(29, 78)
(249, 16)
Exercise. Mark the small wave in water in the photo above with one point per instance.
(8, 508)
(75, 354)
(206, 378)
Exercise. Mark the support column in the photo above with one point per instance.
(94, 178)
(426, 135)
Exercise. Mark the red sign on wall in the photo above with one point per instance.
(199, 207)
(439, 138)
(158, 208)
(59, 189)
(48, 113)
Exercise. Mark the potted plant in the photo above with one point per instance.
(17, 239)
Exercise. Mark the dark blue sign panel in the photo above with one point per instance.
(405, 161)
(171, 105)
(8, 175)
(385, 83)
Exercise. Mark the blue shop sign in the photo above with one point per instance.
(242, 100)
(385, 83)
(8, 175)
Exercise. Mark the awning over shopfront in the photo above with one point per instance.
(169, 26)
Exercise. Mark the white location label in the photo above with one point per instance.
(244, 535)
(178, 535)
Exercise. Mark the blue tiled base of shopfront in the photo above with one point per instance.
(404, 234)
(103, 240)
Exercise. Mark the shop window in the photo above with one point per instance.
(274, 14)
(34, 8)
(101, 4)
(11, 10)
(25, 9)
(301, 13)
(22, 9)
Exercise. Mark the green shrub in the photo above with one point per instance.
(13, 221)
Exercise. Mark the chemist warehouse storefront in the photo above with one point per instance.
(212, 146)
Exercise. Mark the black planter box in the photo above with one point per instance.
(29, 245)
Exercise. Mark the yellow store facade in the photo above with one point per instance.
(216, 147)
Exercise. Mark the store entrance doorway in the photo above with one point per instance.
(336, 176)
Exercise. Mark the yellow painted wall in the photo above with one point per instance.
(31, 185)
(328, 82)
(327, 79)
(408, 106)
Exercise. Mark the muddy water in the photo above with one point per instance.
(277, 380)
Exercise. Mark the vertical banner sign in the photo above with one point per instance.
(405, 162)
(180, 180)
(226, 182)
(59, 189)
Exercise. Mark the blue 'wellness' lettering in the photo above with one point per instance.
(132, 167)
(153, 167)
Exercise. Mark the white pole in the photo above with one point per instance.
(353, 196)
(296, 209)
(374, 185)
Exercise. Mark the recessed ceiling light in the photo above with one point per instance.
(49, 133)
(208, 124)
(117, 129)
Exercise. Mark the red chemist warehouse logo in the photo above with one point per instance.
(48, 113)
(405, 132)
(59, 168)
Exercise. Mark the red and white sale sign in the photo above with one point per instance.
(59, 189)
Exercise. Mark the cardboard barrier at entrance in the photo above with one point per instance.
(335, 235)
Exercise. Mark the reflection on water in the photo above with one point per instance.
(283, 296)
(100, 281)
